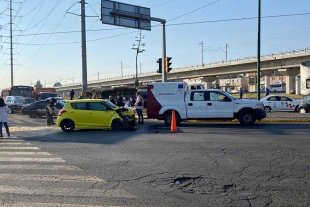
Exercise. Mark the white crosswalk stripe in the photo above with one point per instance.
(26, 190)
(56, 205)
(46, 169)
(23, 153)
(19, 148)
(40, 167)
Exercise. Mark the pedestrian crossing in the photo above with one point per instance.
(27, 174)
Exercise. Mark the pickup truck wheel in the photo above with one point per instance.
(247, 117)
(267, 109)
(302, 110)
(10, 110)
(168, 118)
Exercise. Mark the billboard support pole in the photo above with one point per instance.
(163, 72)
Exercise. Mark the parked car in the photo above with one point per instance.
(37, 109)
(18, 103)
(305, 104)
(94, 114)
(15, 103)
(280, 103)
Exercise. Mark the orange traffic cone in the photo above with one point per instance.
(173, 123)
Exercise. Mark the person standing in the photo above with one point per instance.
(132, 101)
(4, 110)
(127, 102)
(50, 111)
(112, 100)
(139, 105)
(267, 91)
(240, 92)
(72, 93)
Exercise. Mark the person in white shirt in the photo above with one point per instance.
(127, 103)
(4, 110)
(139, 105)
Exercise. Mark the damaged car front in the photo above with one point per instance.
(126, 117)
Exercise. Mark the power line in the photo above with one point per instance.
(177, 24)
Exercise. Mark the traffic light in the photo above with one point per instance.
(167, 64)
(159, 61)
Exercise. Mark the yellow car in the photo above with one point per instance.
(94, 114)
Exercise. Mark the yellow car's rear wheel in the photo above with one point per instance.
(67, 125)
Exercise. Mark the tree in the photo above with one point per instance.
(38, 84)
(57, 84)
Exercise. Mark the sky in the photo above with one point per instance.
(47, 37)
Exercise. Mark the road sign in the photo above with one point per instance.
(125, 15)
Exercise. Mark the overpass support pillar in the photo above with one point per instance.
(208, 81)
(290, 75)
(267, 81)
(298, 85)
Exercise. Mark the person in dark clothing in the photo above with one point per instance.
(241, 92)
(112, 100)
(120, 100)
(49, 111)
(72, 93)
(132, 101)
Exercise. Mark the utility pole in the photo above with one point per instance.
(122, 69)
(258, 50)
(140, 68)
(137, 48)
(201, 43)
(11, 42)
(226, 51)
(84, 56)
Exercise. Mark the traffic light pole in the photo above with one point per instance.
(162, 21)
(163, 73)
(84, 57)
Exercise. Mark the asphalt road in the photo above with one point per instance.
(204, 164)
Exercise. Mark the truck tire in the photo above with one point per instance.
(32, 115)
(10, 110)
(247, 118)
(168, 118)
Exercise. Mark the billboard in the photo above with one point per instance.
(129, 15)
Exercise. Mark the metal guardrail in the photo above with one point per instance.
(218, 63)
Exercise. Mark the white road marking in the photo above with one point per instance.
(23, 153)
(24, 204)
(41, 167)
(19, 148)
(23, 159)
(11, 140)
(14, 143)
(27, 190)
(41, 177)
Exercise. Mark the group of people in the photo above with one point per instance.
(137, 105)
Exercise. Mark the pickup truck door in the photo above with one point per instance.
(219, 105)
(197, 105)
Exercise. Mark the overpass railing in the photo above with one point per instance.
(218, 63)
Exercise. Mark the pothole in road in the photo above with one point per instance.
(193, 184)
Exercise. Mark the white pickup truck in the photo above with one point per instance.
(210, 104)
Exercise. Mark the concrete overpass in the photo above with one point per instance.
(288, 63)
